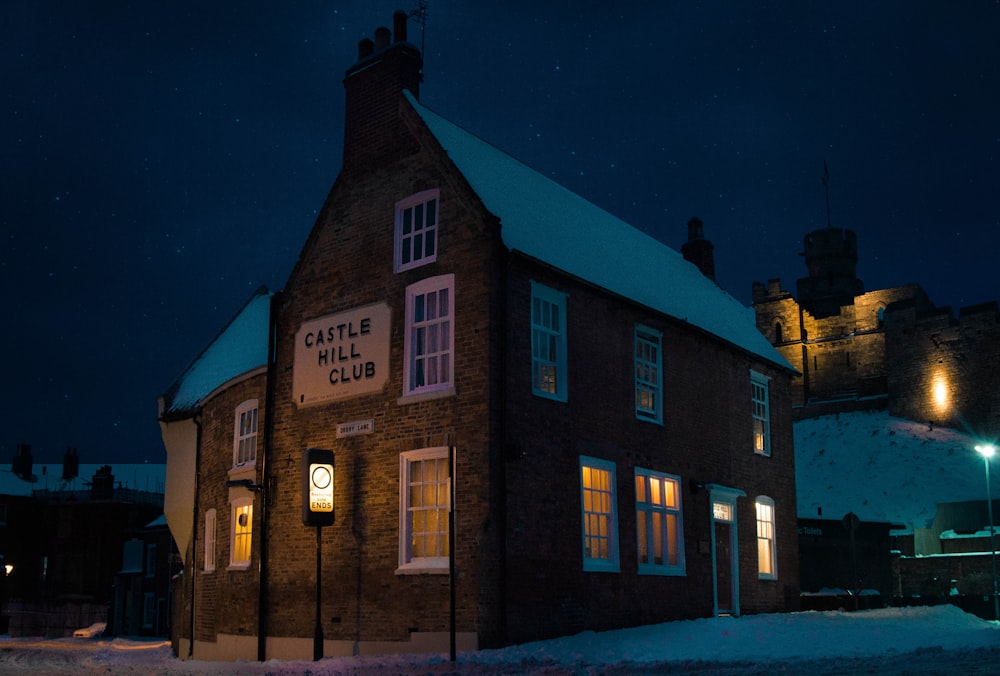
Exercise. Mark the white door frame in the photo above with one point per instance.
(722, 506)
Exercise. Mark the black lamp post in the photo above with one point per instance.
(987, 451)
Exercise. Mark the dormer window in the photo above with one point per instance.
(416, 230)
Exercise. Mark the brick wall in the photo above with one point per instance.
(348, 263)
(226, 599)
(841, 357)
(705, 438)
(926, 351)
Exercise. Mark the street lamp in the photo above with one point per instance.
(987, 451)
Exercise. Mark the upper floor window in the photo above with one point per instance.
(430, 330)
(658, 523)
(424, 504)
(600, 515)
(761, 413)
(416, 230)
(778, 337)
(245, 435)
(242, 531)
(648, 367)
(548, 342)
(767, 559)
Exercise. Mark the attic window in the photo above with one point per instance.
(416, 230)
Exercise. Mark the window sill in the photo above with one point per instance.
(239, 566)
(426, 396)
(664, 571)
(589, 567)
(411, 569)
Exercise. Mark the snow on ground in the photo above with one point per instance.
(940, 639)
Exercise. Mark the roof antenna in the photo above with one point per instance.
(421, 14)
(826, 186)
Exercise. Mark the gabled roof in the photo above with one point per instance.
(241, 347)
(545, 221)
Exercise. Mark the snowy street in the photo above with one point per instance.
(936, 640)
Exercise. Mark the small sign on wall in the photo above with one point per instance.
(342, 355)
(355, 428)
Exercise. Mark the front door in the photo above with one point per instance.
(725, 554)
(723, 568)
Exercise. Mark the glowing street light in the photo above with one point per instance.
(987, 451)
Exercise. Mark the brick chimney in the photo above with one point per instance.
(373, 87)
(699, 250)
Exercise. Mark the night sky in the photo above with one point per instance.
(162, 160)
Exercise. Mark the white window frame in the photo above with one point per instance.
(241, 535)
(653, 519)
(648, 355)
(429, 347)
(767, 549)
(407, 210)
(210, 536)
(599, 521)
(245, 434)
(410, 564)
(761, 411)
(548, 342)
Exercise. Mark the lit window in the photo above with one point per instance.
(767, 561)
(209, 540)
(722, 511)
(648, 389)
(600, 519)
(430, 332)
(423, 510)
(416, 230)
(658, 523)
(245, 435)
(548, 342)
(761, 414)
(239, 556)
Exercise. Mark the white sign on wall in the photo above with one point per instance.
(342, 355)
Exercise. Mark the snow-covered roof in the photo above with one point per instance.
(544, 220)
(883, 469)
(239, 348)
(148, 477)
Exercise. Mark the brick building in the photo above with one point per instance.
(62, 531)
(618, 432)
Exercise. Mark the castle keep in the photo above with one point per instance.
(890, 349)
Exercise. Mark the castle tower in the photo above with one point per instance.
(831, 257)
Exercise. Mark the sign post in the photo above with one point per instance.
(317, 511)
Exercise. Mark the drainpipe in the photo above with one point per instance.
(265, 482)
(504, 321)
(194, 524)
